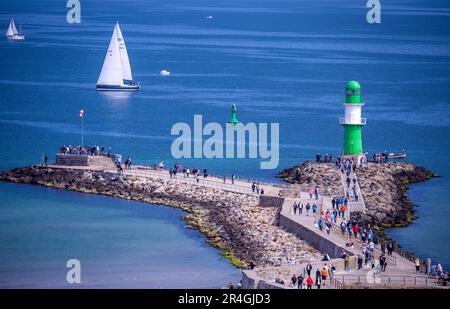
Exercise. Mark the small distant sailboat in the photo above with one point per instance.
(116, 70)
(210, 17)
(164, 73)
(12, 33)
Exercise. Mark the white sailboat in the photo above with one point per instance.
(116, 70)
(12, 33)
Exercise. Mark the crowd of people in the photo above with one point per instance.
(308, 279)
(93, 150)
(377, 157)
(197, 173)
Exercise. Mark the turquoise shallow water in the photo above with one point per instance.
(282, 61)
(119, 243)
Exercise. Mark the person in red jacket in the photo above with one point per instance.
(309, 282)
(356, 230)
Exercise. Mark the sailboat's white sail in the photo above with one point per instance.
(125, 62)
(111, 73)
(14, 29)
(10, 32)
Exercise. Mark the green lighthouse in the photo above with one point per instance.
(352, 122)
(233, 118)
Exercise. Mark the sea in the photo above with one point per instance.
(282, 62)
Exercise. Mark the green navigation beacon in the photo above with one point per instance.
(233, 118)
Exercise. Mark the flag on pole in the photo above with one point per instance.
(81, 114)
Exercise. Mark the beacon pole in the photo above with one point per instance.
(82, 133)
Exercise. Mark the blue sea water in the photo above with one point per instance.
(119, 243)
(282, 61)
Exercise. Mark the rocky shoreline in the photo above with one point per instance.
(384, 188)
(232, 222)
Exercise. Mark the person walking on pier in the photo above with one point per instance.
(383, 247)
(294, 208)
(347, 263)
(360, 262)
(371, 246)
(318, 282)
(45, 160)
(309, 282)
(233, 178)
(307, 209)
(314, 208)
(224, 178)
(294, 281)
(383, 262)
(320, 224)
(308, 269)
(300, 281)
(300, 208)
(318, 275)
(390, 247)
(324, 274)
(316, 192)
(253, 187)
(428, 266)
(417, 263)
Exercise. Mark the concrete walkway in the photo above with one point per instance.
(399, 271)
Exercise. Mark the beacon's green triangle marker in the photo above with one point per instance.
(233, 118)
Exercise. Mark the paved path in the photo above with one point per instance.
(399, 271)
(353, 205)
(239, 186)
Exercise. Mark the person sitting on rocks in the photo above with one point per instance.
(279, 281)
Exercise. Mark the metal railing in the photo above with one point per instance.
(208, 182)
(336, 283)
(389, 280)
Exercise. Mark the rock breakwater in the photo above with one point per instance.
(384, 188)
(231, 221)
